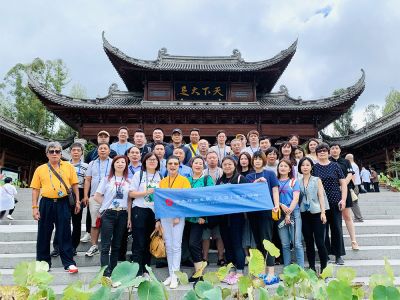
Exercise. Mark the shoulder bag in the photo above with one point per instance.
(70, 193)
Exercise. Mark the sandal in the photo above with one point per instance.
(354, 246)
(221, 262)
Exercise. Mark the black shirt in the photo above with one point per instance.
(346, 168)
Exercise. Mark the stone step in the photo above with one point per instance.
(86, 274)
(10, 260)
(384, 226)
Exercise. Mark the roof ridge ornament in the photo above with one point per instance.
(283, 89)
(113, 88)
(161, 53)
(236, 54)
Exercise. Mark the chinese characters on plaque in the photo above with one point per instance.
(200, 91)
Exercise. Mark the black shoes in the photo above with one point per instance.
(55, 253)
(187, 263)
(339, 261)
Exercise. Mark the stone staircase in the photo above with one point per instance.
(378, 237)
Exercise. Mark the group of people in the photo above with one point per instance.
(311, 187)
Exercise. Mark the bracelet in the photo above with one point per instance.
(34, 206)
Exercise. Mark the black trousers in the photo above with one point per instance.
(113, 224)
(56, 213)
(196, 241)
(231, 227)
(261, 225)
(334, 245)
(143, 222)
(314, 231)
(88, 219)
(76, 225)
(3, 212)
(367, 186)
(376, 187)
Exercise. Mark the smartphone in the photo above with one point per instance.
(340, 206)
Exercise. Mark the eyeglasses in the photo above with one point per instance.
(54, 151)
(322, 150)
(152, 160)
(173, 164)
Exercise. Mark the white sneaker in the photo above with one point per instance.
(92, 251)
(10, 217)
(72, 269)
(174, 283)
(167, 281)
(86, 238)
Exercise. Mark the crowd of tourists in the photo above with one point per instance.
(314, 188)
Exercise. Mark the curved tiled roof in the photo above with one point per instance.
(388, 123)
(27, 134)
(133, 100)
(167, 62)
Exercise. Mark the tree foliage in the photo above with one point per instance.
(22, 105)
(371, 113)
(344, 125)
(392, 102)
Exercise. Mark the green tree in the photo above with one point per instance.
(371, 113)
(29, 110)
(344, 125)
(7, 109)
(392, 102)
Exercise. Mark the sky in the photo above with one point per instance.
(335, 39)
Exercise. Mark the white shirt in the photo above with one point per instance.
(356, 173)
(109, 189)
(250, 150)
(365, 175)
(7, 194)
(98, 169)
(221, 152)
(215, 174)
(148, 181)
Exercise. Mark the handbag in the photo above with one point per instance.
(98, 222)
(353, 195)
(70, 193)
(157, 244)
(276, 215)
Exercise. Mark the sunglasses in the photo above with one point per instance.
(173, 163)
(322, 150)
(54, 151)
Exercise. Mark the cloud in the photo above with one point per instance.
(336, 38)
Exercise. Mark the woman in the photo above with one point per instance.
(197, 224)
(299, 153)
(286, 152)
(290, 228)
(7, 198)
(141, 217)
(244, 166)
(313, 206)
(231, 225)
(272, 160)
(173, 227)
(261, 222)
(112, 193)
(294, 140)
(336, 190)
(134, 161)
(221, 148)
(310, 149)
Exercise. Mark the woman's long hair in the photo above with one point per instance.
(112, 171)
(291, 155)
(239, 166)
(288, 162)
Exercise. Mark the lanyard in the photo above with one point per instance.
(131, 169)
(306, 187)
(251, 148)
(151, 180)
(79, 165)
(216, 173)
(169, 183)
(51, 177)
(219, 153)
(105, 173)
(118, 187)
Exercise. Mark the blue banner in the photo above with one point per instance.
(212, 200)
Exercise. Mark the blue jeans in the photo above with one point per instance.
(292, 233)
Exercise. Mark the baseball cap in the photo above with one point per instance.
(103, 132)
(177, 130)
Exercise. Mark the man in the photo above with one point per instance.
(158, 137)
(177, 142)
(348, 172)
(76, 151)
(253, 137)
(357, 182)
(203, 148)
(54, 206)
(102, 137)
(242, 140)
(194, 137)
(236, 147)
(212, 166)
(159, 151)
(265, 143)
(184, 170)
(221, 148)
(366, 179)
(122, 145)
(375, 180)
(97, 169)
(139, 140)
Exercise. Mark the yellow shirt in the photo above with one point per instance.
(194, 146)
(46, 180)
(180, 182)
